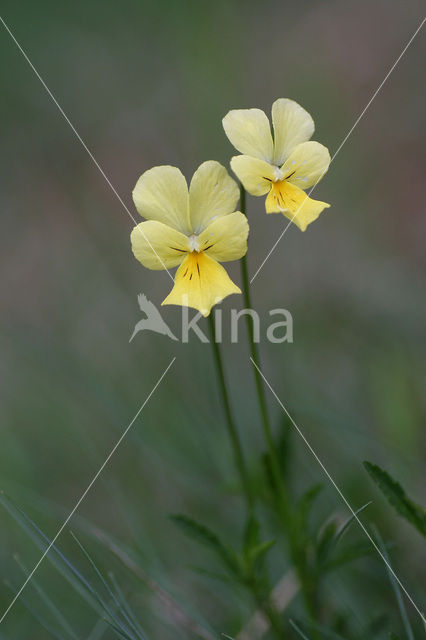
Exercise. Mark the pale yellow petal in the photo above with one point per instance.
(292, 202)
(212, 193)
(161, 194)
(306, 164)
(158, 246)
(256, 175)
(250, 132)
(292, 125)
(200, 283)
(225, 238)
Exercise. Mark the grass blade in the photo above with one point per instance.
(395, 586)
(299, 631)
(76, 579)
(60, 618)
(34, 613)
(114, 598)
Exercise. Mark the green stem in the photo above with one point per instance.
(260, 389)
(232, 429)
(285, 511)
(264, 603)
(270, 611)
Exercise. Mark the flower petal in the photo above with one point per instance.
(158, 246)
(161, 194)
(225, 238)
(306, 164)
(256, 175)
(212, 193)
(200, 282)
(291, 201)
(292, 125)
(250, 132)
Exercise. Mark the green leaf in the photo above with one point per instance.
(251, 534)
(329, 539)
(303, 509)
(307, 499)
(258, 554)
(397, 497)
(351, 553)
(325, 542)
(348, 523)
(205, 536)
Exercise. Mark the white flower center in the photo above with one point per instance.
(193, 243)
(279, 175)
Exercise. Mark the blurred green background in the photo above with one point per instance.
(147, 83)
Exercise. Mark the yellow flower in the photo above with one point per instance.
(194, 229)
(282, 166)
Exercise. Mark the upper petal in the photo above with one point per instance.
(226, 238)
(306, 164)
(200, 282)
(256, 175)
(250, 132)
(158, 246)
(212, 193)
(292, 125)
(161, 194)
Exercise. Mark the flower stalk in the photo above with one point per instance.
(230, 422)
(283, 503)
(260, 389)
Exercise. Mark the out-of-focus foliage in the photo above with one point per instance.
(147, 83)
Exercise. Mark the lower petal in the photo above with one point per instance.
(200, 283)
(292, 202)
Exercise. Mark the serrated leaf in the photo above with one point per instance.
(205, 536)
(397, 497)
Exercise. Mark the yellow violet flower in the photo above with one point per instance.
(282, 166)
(191, 229)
